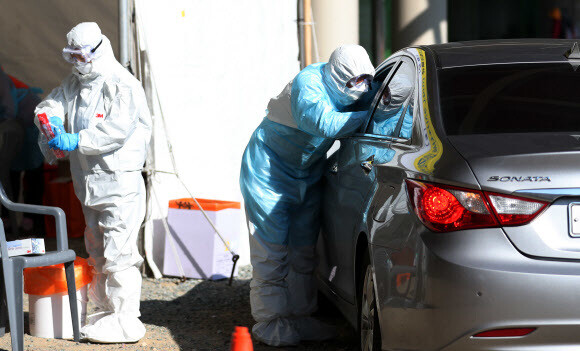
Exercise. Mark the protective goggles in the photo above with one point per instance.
(83, 54)
(360, 79)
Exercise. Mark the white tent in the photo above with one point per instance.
(215, 65)
(209, 68)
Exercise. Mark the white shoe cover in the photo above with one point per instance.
(114, 328)
(311, 329)
(277, 332)
(95, 317)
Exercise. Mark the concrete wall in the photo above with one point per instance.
(417, 22)
(336, 23)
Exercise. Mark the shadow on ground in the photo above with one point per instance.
(199, 315)
(205, 316)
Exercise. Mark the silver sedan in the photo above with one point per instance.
(452, 220)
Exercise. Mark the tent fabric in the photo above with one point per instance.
(215, 65)
(33, 34)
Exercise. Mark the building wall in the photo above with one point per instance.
(418, 22)
(336, 23)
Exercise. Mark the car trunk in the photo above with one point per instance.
(543, 166)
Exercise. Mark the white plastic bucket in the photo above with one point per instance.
(50, 316)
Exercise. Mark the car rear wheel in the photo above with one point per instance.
(370, 330)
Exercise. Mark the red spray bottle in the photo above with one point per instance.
(48, 133)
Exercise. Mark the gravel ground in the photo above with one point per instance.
(194, 315)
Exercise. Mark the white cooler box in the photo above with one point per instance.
(200, 250)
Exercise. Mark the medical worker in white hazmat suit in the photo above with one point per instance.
(107, 131)
(281, 169)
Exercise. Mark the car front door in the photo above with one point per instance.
(352, 176)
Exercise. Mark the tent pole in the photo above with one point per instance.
(124, 32)
(307, 32)
(301, 32)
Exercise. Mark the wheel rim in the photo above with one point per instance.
(368, 310)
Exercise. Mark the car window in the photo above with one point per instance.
(365, 102)
(393, 113)
(514, 98)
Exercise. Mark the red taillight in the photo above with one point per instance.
(444, 208)
(505, 333)
(440, 206)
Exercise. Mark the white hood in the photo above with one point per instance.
(346, 62)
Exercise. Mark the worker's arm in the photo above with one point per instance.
(119, 122)
(315, 114)
(52, 105)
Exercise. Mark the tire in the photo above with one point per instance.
(369, 326)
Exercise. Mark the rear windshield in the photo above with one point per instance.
(522, 98)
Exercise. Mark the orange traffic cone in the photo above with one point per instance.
(241, 340)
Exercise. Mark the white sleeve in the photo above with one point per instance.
(52, 105)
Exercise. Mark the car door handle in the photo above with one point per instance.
(367, 165)
(334, 169)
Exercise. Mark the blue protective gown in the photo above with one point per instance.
(386, 125)
(281, 164)
(281, 169)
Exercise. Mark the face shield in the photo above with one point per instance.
(362, 82)
(357, 87)
(83, 54)
(394, 97)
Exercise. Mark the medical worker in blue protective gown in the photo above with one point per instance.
(107, 131)
(281, 169)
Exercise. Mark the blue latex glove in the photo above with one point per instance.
(65, 141)
(56, 125)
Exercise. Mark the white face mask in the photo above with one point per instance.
(357, 91)
(84, 67)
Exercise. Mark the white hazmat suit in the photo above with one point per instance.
(105, 108)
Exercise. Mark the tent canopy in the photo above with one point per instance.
(33, 33)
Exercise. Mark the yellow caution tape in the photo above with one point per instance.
(426, 162)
